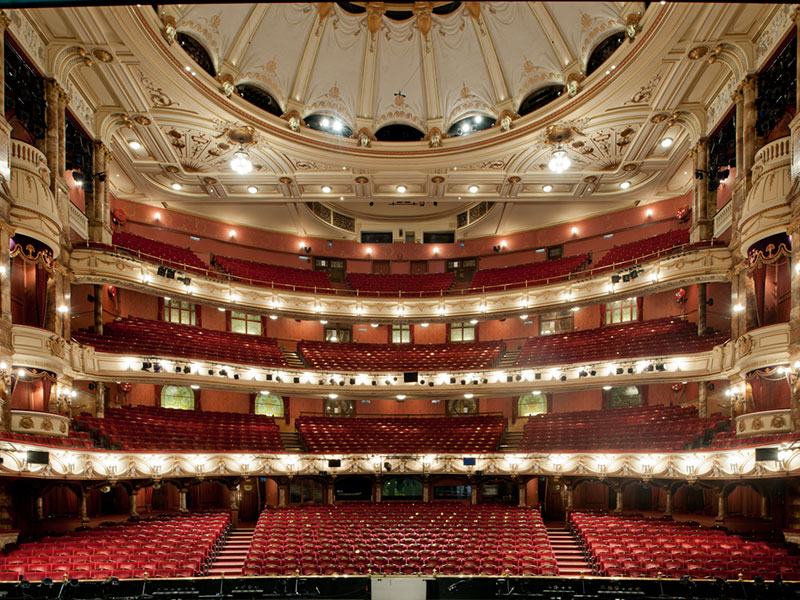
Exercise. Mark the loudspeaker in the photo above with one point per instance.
(469, 462)
(410, 377)
(334, 462)
(765, 454)
(37, 457)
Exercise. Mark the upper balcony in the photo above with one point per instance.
(656, 270)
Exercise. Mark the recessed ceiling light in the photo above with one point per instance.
(401, 396)
(333, 396)
(473, 189)
(468, 395)
(547, 188)
(423, 324)
(666, 142)
(625, 185)
(177, 187)
(325, 122)
(523, 317)
(337, 125)
(273, 317)
(252, 189)
(373, 324)
(326, 189)
(401, 189)
(606, 387)
(474, 321)
(134, 145)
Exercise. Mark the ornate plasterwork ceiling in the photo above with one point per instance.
(137, 86)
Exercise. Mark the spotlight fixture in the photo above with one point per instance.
(78, 178)
(252, 189)
(547, 188)
(240, 162)
(326, 189)
(134, 145)
(559, 162)
(563, 377)
(666, 142)
(401, 189)
(615, 278)
(146, 366)
(625, 185)
(177, 187)
(473, 189)
(723, 174)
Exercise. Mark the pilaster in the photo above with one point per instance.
(702, 224)
(97, 207)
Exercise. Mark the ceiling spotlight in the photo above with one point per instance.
(666, 142)
(401, 189)
(325, 122)
(625, 185)
(478, 119)
(547, 188)
(326, 189)
(473, 189)
(473, 321)
(523, 317)
(252, 189)
(134, 145)
(559, 162)
(373, 325)
(337, 125)
(468, 396)
(177, 187)
(423, 324)
(606, 387)
(333, 396)
(273, 317)
(401, 396)
(240, 162)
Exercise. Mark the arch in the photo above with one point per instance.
(197, 52)
(259, 97)
(603, 51)
(399, 132)
(270, 405)
(179, 397)
(532, 404)
(538, 98)
(624, 396)
(470, 124)
(331, 124)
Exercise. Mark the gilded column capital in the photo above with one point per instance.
(796, 15)
(737, 95)
(793, 227)
(749, 83)
(102, 151)
(5, 20)
(701, 145)
(52, 87)
(63, 97)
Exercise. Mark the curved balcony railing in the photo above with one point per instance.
(528, 283)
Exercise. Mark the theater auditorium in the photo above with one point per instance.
(399, 300)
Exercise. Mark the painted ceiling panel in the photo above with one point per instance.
(585, 24)
(215, 25)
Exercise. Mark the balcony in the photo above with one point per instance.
(34, 209)
(766, 210)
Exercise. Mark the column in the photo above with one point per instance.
(5, 272)
(282, 494)
(474, 495)
(702, 308)
(39, 508)
(5, 21)
(378, 491)
(98, 309)
(618, 507)
(100, 400)
(765, 516)
(702, 399)
(568, 501)
(182, 500)
(521, 487)
(133, 498)
(702, 225)
(53, 95)
(234, 504)
(331, 496)
(82, 508)
(668, 503)
(722, 507)
(97, 209)
(426, 491)
(749, 141)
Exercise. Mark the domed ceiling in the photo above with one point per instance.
(137, 78)
(402, 64)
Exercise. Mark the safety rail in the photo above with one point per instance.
(400, 416)
(576, 276)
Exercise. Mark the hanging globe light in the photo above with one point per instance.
(559, 162)
(241, 161)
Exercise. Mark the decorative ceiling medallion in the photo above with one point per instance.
(558, 134)
(697, 52)
(514, 179)
(285, 180)
(210, 180)
(658, 118)
(590, 179)
(435, 179)
(171, 169)
(142, 120)
(630, 167)
(103, 55)
(362, 179)
(242, 135)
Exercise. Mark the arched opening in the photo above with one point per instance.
(60, 500)
(32, 294)
(538, 98)
(626, 396)
(260, 98)
(399, 132)
(470, 124)
(269, 405)
(532, 404)
(603, 51)
(401, 488)
(197, 52)
(593, 494)
(32, 389)
(178, 397)
(24, 97)
(356, 488)
(328, 124)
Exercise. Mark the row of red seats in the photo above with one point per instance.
(404, 284)
(400, 357)
(404, 537)
(150, 428)
(475, 434)
(639, 547)
(661, 428)
(172, 256)
(621, 256)
(658, 337)
(728, 439)
(273, 275)
(76, 439)
(528, 275)
(178, 546)
(133, 335)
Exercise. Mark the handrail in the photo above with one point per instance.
(575, 276)
(400, 416)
